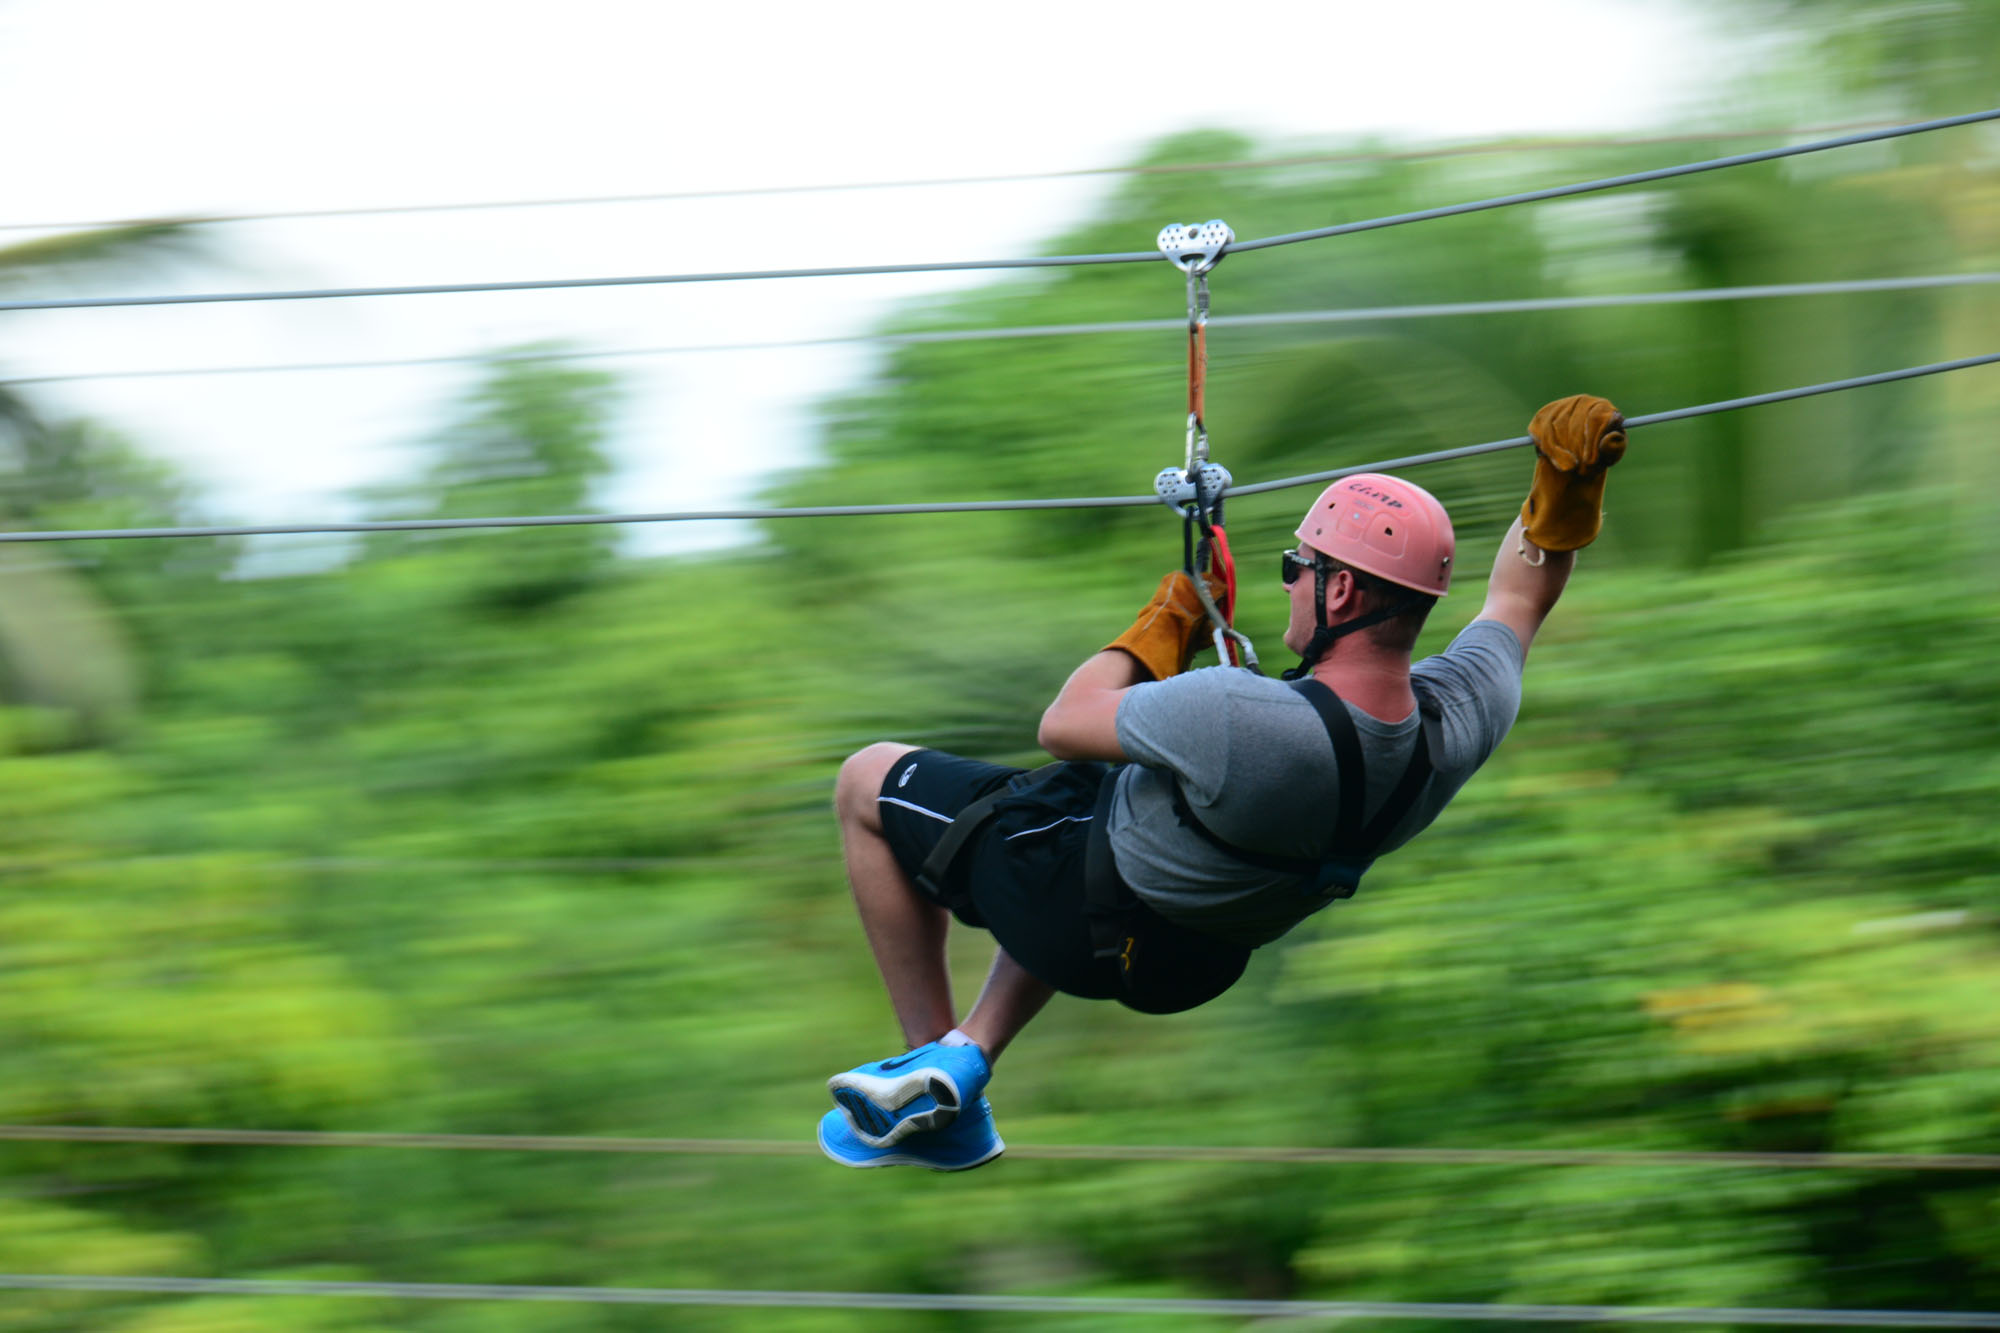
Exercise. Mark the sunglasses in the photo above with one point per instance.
(1296, 564)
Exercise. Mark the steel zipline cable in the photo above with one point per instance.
(970, 506)
(1068, 1152)
(1043, 261)
(934, 182)
(1270, 319)
(967, 1302)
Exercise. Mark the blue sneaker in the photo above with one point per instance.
(970, 1140)
(912, 1093)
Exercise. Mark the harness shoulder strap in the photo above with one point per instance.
(1346, 755)
(1411, 784)
(1352, 837)
(1353, 843)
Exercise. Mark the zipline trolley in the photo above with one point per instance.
(1195, 489)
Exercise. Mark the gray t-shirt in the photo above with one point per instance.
(1257, 768)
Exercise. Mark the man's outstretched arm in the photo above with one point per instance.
(1521, 594)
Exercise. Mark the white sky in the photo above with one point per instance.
(123, 108)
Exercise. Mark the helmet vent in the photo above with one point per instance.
(1385, 526)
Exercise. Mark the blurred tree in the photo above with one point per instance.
(528, 440)
(61, 649)
(1931, 57)
(60, 645)
(1761, 227)
(33, 458)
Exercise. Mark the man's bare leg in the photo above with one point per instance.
(905, 930)
(1010, 997)
(927, 1110)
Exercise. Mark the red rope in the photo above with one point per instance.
(1197, 367)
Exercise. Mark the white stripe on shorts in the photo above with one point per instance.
(1066, 819)
(909, 805)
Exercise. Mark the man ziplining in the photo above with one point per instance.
(1193, 816)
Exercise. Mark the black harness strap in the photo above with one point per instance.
(1287, 865)
(1352, 842)
(935, 875)
(1106, 898)
(1347, 753)
(1411, 785)
(1347, 759)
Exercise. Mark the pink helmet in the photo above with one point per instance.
(1393, 529)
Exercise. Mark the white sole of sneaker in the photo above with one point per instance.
(910, 1159)
(874, 1103)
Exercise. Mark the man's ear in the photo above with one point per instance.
(1341, 594)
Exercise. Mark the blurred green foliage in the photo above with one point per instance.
(496, 832)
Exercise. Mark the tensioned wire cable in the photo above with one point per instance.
(931, 182)
(1043, 261)
(1069, 1152)
(1273, 319)
(971, 506)
(1004, 1304)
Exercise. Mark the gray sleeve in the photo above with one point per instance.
(1477, 683)
(1172, 723)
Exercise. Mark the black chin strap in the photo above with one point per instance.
(1325, 636)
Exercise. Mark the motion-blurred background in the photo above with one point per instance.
(527, 832)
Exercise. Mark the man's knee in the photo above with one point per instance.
(860, 780)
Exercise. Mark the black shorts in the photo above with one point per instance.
(1022, 878)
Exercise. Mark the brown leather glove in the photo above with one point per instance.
(1166, 633)
(1576, 440)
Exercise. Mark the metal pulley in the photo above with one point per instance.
(1194, 492)
(1195, 247)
